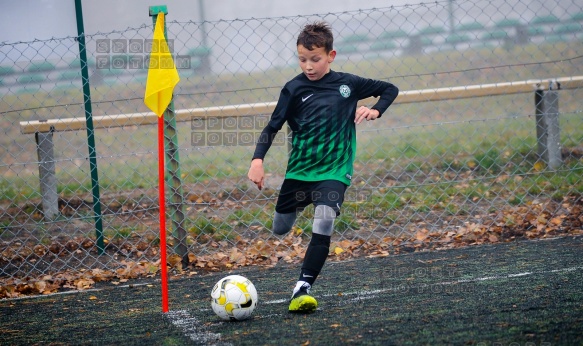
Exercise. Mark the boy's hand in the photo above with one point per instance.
(256, 173)
(363, 113)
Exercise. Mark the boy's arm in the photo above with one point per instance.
(256, 172)
(264, 142)
(385, 91)
(388, 95)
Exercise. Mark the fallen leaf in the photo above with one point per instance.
(421, 235)
(174, 260)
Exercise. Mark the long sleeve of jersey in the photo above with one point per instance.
(387, 95)
(264, 142)
(278, 118)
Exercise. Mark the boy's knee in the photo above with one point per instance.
(283, 223)
(280, 229)
(324, 220)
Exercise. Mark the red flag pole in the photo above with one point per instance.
(163, 266)
(158, 84)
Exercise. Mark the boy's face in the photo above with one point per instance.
(315, 63)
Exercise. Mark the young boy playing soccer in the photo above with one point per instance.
(320, 107)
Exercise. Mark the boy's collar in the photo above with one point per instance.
(323, 77)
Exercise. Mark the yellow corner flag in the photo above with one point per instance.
(162, 73)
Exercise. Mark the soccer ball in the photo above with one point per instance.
(234, 298)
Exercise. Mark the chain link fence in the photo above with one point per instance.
(433, 172)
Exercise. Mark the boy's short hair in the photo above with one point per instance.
(316, 35)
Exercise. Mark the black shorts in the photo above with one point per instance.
(295, 195)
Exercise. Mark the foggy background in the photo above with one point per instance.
(27, 20)
(263, 31)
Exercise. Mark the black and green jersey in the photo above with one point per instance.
(321, 115)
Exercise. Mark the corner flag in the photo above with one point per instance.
(162, 78)
(162, 73)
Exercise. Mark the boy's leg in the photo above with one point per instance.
(319, 246)
(314, 260)
(289, 202)
(328, 196)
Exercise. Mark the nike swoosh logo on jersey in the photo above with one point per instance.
(307, 97)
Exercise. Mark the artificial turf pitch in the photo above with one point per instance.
(521, 293)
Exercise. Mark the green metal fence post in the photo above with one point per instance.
(173, 165)
(90, 130)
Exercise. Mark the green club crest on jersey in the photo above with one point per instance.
(344, 90)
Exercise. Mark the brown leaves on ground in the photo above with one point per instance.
(530, 221)
(249, 252)
(81, 280)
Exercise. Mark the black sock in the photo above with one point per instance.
(315, 257)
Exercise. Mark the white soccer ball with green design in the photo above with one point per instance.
(234, 298)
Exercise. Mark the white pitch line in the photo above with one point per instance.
(519, 275)
(76, 291)
(374, 293)
(192, 328)
(510, 276)
(55, 294)
(277, 301)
